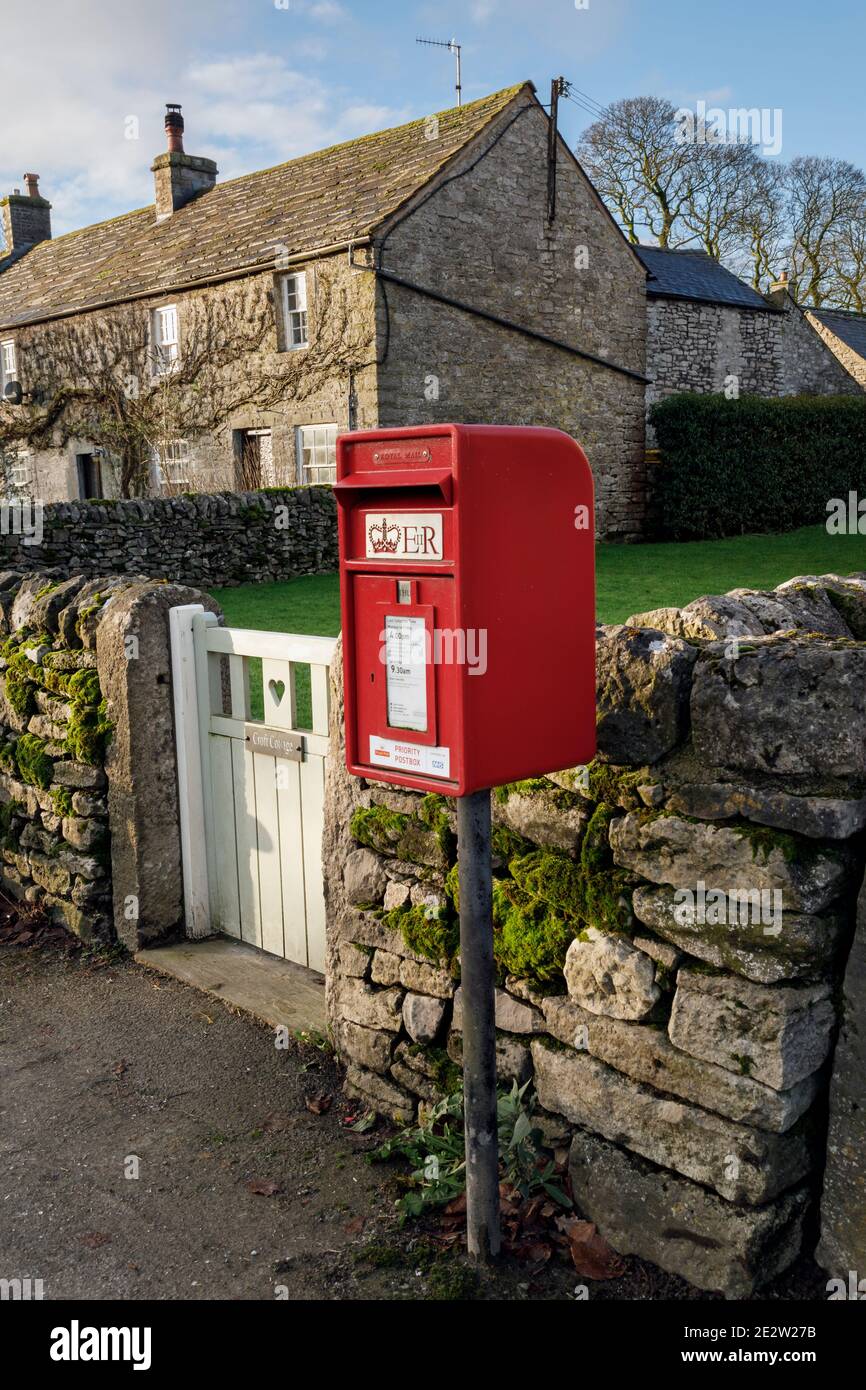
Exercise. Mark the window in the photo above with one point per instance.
(7, 363)
(19, 474)
(165, 340)
(295, 311)
(317, 453)
(171, 466)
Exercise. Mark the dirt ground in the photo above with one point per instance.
(103, 1062)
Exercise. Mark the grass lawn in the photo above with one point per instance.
(631, 578)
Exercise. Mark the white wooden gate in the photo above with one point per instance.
(251, 790)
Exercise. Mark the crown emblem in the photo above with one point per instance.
(384, 537)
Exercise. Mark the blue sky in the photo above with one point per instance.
(263, 80)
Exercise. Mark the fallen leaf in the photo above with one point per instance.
(264, 1187)
(533, 1252)
(318, 1104)
(93, 1239)
(355, 1226)
(590, 1252)
(276, 1122)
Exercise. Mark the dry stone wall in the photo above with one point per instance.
(89, 822)
(208, 539)
(671, 931)
(53, 731)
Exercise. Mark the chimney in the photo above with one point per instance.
(783, 292)
(179, 177)
(26, 217)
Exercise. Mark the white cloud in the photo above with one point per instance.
(72, 76)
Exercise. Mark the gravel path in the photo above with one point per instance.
(103, 1063)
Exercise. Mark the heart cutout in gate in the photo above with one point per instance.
(278, 690)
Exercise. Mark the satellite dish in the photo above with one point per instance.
(12, 392)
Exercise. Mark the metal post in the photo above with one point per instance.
(453, 47)
(479, 1026)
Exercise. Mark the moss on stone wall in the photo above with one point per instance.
(431, 932)
(87, 731)
(557, 797)
(8, 811)
(61, 800)
(591, 892)
(615, 786)
(20, 685)
(422, 839)
(434, 812)
(34, 764)
(531, 937)
(765, 840)
(378, 828)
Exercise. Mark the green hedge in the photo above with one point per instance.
(729, 467)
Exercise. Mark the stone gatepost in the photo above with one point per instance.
(842, 1249)
(133, 661)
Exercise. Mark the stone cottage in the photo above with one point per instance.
(844, 332)
(708, 331)
(418, 274)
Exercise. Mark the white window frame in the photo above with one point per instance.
(8, 363)
(20, 473)
(172, 465)
(165, 339)
(295, 321)
(320, 441)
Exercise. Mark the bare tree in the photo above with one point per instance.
(848, 281)
(713, 211)
(753, 214)
(825, 199)
(646, 176)
(762, 248)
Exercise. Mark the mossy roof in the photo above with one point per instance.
(319, 200)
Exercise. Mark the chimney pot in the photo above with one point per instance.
(174, 127)
(32, 182)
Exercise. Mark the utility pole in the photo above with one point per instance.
(453, 47)
(558, 88)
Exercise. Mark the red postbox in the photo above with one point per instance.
(467, 575)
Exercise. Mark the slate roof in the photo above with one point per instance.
(319, 200)
(846, 324)
(696, 275)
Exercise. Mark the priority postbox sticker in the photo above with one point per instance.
(410, 757)
(403, 535)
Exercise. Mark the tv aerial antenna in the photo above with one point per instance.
(453, 47)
